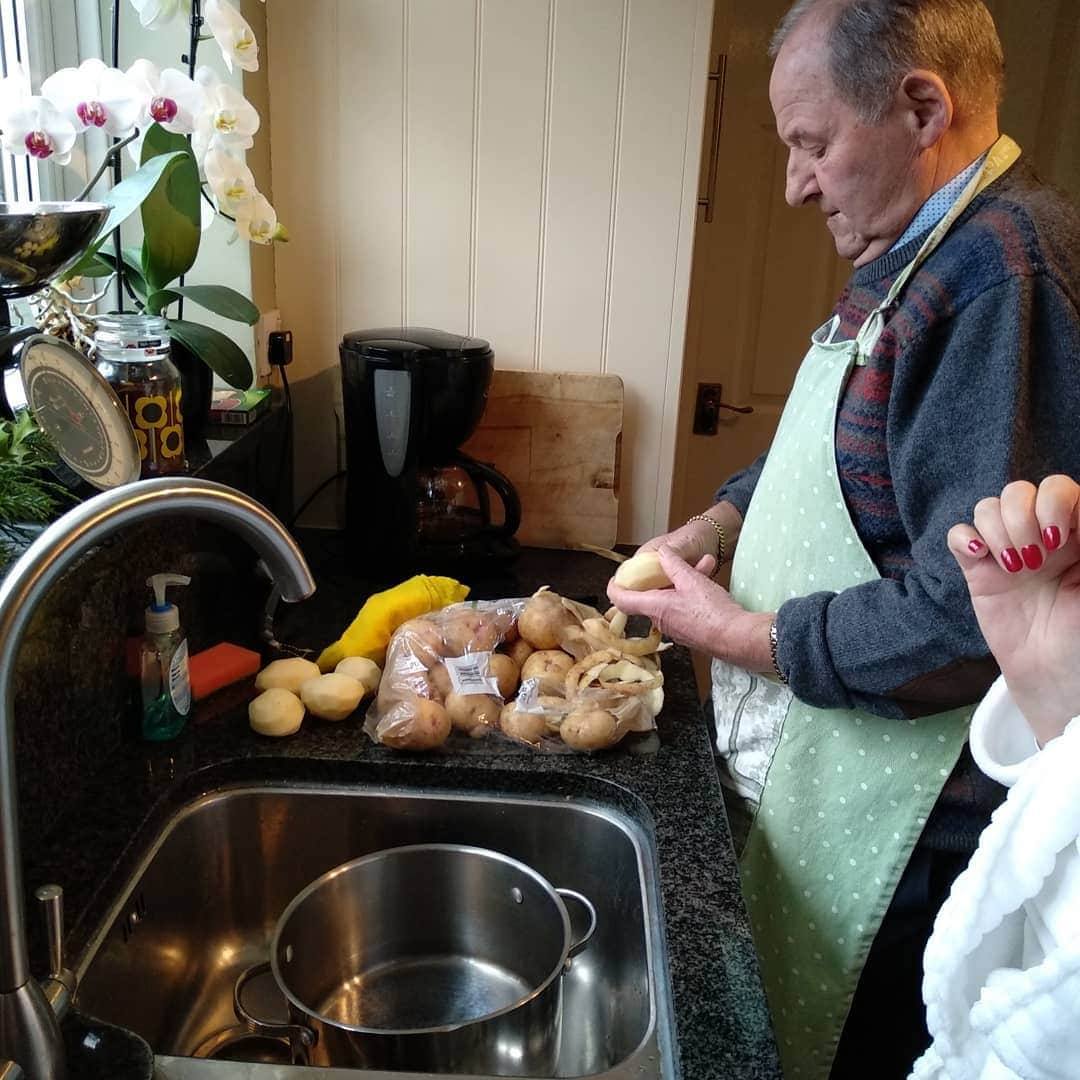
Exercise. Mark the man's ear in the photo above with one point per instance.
(927, 105)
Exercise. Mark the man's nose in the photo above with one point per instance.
(801, 181)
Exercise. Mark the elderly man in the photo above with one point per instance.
(847, 657)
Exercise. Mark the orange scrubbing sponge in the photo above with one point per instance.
(219, 666)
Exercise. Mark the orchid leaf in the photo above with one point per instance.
(220, 353)
(171, 214)
(104, 263)
(219, 299)
(123, 200)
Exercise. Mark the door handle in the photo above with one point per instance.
(719, 78)
(710, 401)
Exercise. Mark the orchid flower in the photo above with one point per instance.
(258, 222)
(228, 120)
(234, 36)
(154, 14)
(34, 126)
(93, 95)
(231, 183)
(167, 97)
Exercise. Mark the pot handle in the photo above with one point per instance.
(577, 946)
(301, 1038)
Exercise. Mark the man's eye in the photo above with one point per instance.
(817, 151)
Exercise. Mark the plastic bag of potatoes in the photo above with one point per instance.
(546, 671)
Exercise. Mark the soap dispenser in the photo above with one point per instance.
(163, 664)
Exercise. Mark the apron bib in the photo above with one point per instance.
(835, 799)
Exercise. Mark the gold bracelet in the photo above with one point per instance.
(721, 536)
(772, 652)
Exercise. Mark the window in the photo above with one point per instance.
(19, 178)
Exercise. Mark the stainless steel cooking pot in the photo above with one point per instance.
(435, 957)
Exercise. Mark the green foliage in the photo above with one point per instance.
(220, 353)
(27, 496)
(171, 212)
(123, 200)
(219, 299)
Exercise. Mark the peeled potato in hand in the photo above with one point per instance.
(642, 571)
(286, 674)
(276, 712)
(331, 697)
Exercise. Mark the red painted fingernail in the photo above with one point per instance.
(975, 546)
(1052, 537)
(1011, 561)
(1033, 556)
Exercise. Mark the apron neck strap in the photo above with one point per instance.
(999, 159)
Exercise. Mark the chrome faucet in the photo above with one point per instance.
(29, 1027)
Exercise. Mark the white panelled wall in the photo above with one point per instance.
(521, 170)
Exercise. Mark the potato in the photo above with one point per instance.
(441, 683)
(528, 727)
(276, 712)
(363, 670)
(590, 729)
(542, 620)
(333, 696)
(519, 651)
(286, 674)
(400, 687)
(468, 712)
(469, 631)
(642, 571)
(505, 673)
(423, 639)
(414, 723)
(550, 667)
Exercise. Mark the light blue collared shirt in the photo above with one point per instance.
(939, 204)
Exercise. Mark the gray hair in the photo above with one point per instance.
(873, 44)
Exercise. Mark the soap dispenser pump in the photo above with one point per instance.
(163, 664)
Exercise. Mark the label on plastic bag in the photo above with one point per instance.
(469, 674)
(527, 694)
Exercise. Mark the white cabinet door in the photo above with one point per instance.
(521, 170)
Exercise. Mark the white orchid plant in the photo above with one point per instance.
(187, 131)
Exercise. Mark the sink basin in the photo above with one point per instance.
(202, 906)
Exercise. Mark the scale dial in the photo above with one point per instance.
(80, 413)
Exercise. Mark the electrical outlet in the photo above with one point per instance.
(269, 323)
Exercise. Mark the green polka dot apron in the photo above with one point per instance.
(835, 799)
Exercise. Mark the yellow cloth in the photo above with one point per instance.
(370, 632)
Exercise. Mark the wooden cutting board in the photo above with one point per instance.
(556, 436)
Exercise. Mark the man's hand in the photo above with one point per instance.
(698, 613)
(696, 539)
(1021, 560)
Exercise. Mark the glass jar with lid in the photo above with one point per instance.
(133, 354)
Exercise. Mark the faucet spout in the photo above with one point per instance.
(29, 1033)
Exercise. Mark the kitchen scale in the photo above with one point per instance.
(71, 401)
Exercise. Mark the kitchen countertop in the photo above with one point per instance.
(720, 1013)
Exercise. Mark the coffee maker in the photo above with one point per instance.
(411, 397)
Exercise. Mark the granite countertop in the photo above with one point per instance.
(721, 1017)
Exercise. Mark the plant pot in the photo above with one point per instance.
(197, 384)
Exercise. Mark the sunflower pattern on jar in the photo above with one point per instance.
(159, 430)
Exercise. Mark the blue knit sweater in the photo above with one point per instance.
(974, 382)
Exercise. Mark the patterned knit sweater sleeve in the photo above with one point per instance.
(975, 382)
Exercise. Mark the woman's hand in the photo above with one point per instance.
(698, 613)
(1021, 560)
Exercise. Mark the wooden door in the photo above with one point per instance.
(764, 275)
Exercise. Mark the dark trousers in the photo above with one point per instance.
(885, 1030)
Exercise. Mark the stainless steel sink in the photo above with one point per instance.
(202, 906)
